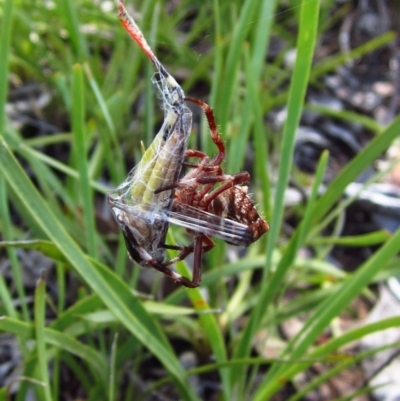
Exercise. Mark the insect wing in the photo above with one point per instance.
(146, 212)
(193, 219)
(202, 222)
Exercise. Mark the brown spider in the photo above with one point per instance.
(226, 212)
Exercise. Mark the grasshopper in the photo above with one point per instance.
(136, 206)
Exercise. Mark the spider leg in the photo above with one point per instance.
(199, 249)
(210, 181)
(219, 158)
(201, 244)
(184, 252)
(187, 250)
(196, 153)
(204, 165)
(237, 179)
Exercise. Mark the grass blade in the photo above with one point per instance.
(301, 73)
(328, 309)
(59, 340)
(78, 128)
(40, 303)
(5, 38)
(131, 318)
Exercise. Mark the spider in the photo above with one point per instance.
(226, 212)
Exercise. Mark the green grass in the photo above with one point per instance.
(99, 81)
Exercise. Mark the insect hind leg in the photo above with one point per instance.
(200, 245)
(170, 273)
(141, 256)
